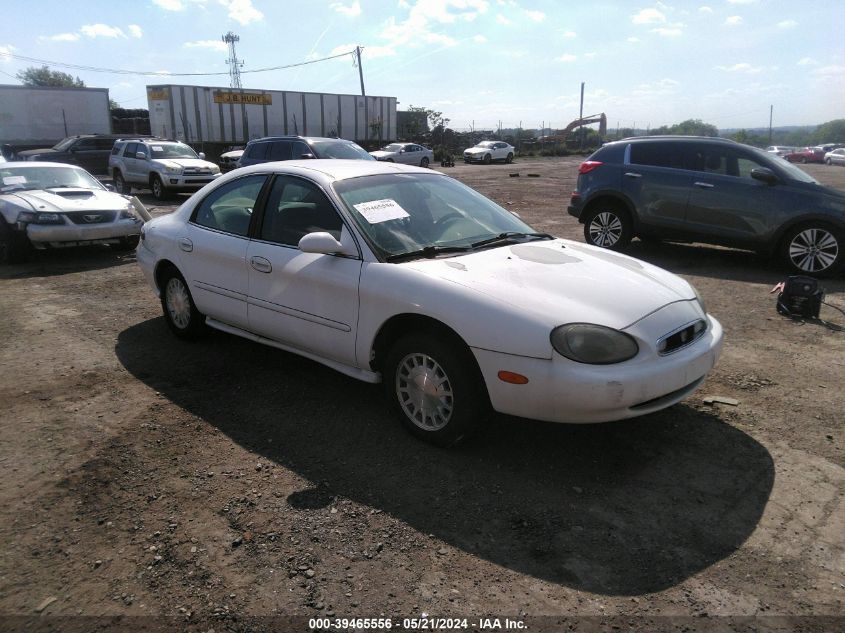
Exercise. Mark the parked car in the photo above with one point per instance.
(44, 205)
(717, 191)
(163, 166)
(229, 160)
(806, 155)
(836, 157)
(272, 148)
(89, 151)
(780, 150)
(401, 275)
(488, 151)
(406, 153)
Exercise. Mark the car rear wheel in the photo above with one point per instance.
(424, 162)
(120, 185)
(159, 191)
(488, 159)
(435, 388)
(814, 249)
(609, 226)
(180, 312)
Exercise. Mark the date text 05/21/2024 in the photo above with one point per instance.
(423, 623)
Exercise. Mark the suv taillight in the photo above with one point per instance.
(589, 165)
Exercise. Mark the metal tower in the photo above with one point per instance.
(235, 64)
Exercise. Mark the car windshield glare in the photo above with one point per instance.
(393, 147)
(64, 144)
(29, 178)
(485, 144)
(403, 213)
(172, 150)
(339, 149)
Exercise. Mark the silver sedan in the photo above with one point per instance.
(836, 157)
(407, 153)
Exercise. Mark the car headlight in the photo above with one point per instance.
(215, 170)
(593, 344)
(172, 170)
(30, 217)
(699, 299)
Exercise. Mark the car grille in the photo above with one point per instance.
(91, 217)
(681, 337)
(197, 171)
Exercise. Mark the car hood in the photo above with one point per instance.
(562, 282)
(196, 163)
(382, 154)
(36, 152)
(64, 200)
(237, 153)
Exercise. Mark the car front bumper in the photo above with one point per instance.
(560, 390)
(57, 234)
(188, 182)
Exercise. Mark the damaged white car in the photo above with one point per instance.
(53, 205)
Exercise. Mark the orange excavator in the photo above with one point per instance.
(560, 136)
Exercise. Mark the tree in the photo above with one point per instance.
(830, 132)
(43, 76)
(113, 105)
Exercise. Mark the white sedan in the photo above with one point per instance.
(405, 153)
(400, 275)
(836, 157)
(488, 151)
(52, 205)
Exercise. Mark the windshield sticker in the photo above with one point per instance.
(14, 180)
(381, 211)
(158, 148)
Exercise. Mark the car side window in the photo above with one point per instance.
(657, 155)
(298, 148)
(143, 149)
(258, 150)
(131, 149)
(296, 207)
(279, 150)
(116, 149)
(229, 207)
(85, 145)
(744, 165)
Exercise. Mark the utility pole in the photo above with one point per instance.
(234, 63)
(581, 116)
(771, 112)
(360, 70)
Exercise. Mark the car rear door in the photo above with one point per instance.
(654, 178)
(308, 301)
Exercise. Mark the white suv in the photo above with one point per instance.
(162, 166)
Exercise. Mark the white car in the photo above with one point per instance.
(836, 157)
(401, 275)
(44, 205)
(488, 151)
(781, 150)
(229, 160)
(405, 153)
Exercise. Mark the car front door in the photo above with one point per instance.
(308, 301)
(654, 179)
(726, 204)
(214, 246)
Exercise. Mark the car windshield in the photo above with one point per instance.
(171, 150)
(405, 213)
(64, 144)
(393, 147)
(485, 144)
(341, 149)
(27, 178)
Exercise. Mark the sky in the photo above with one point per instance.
(479, 62)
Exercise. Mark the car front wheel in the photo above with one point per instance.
(435, 388)
(509, 158)
(488, 159)
(159, 192)
(608, 226)
(424, 162)
(180, 312)
(814, 249)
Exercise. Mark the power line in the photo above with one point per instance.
(158, 73)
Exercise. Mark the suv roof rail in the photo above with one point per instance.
(139, 139)
(678, 137)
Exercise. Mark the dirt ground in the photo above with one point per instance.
(221, 483)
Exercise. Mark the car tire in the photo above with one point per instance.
(488, 159)
(178, 306)
(120, 185)
(435, 388)
(814, 248)
(158, 189)
(15, 247)
(126, 243)
(424, 162)
(828, 161)
(509, 158)
(608, 225)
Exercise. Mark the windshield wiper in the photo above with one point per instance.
(429, 252)
(510, 236)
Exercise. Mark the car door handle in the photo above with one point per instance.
(703, 185)
(260, 264)
(186, 245)
(630, 174)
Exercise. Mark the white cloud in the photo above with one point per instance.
(830, 71)
(787, 24)
(590, 55)
(61, 37)
(215, 45)
(733, 20)
(808, 61)
(439, 38)
(537, 16)
(479, 39)
(242, 11)
(6, 50)
(403, 4)
(633, 40)
(351, 11)
(570, 34)
(662, 87)
(178, 5)
(648, 16)
(135, 31)
(675, 30)
(566, 57)
(500, 19)
(705, 9)
(742, 67)
(101, 30)
(742, 1)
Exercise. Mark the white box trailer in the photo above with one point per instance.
(41, 116)
(234, 116)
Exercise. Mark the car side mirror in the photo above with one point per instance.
(140, 155)
(764, 174)
(323, 243)
(201, 155)
(306, 156)
(109, 187)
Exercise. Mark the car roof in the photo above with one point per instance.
(291, 137)
(37, 164)
(335, 169)
(675, 137)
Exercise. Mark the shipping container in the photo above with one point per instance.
(42, 116)
(233, 116)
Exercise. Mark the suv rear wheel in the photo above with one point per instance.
(814, 248)
(608, 225)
